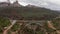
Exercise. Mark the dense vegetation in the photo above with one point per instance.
(4, 22)
(28, 13)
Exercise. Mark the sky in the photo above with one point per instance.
(51, 4)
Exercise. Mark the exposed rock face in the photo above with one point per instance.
(29, 5)
(16, 4)
(5, 4)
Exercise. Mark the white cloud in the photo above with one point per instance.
(43, 3)
(52, 4)
(22, 3)
(54, 1)
(3, 0)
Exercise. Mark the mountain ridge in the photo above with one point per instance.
(28, 13)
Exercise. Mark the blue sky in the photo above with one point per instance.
(52, 4)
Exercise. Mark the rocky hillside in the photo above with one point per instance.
(42, 20)
(28, 13)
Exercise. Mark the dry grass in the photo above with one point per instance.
(50, 25)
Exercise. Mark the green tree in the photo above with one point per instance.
(4, 22)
